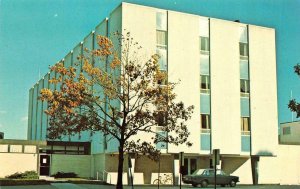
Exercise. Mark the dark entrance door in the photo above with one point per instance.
(44, 165)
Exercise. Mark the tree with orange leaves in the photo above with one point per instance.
(120, 95)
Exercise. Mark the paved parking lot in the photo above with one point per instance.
(89, 186)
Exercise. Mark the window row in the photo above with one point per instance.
(245, 123)
(18, 148)
(205, 47)
(205, 85)
(162, 40)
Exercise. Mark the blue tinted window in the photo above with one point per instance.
(204, 64)
(205, 141)
(245, 108)
(204, 104)
(162, 52)
(161, 145)
(245, 144)
(244, 69)
(161, 21)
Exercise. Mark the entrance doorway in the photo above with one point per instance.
(190, 165)
(44, 165)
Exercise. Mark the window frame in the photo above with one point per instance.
(206, 84)
(243, 49)
(161, 20)
(206, 45)
(286, 130)
(207, 125)
(161, 119)
(245, 128)
(162, 61)
(165, 42)
(246, 83)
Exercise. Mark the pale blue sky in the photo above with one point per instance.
(37, 33)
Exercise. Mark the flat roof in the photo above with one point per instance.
(23, 142)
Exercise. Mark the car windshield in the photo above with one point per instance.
(198, 172)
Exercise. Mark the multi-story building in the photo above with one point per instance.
(227, 71)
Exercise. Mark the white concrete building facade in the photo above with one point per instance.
(227, 71)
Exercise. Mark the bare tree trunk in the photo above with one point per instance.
(120, 167)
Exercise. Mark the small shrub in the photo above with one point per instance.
(30, 175)
(26, 175)
(12, 182)
(16, 175)
(65, 175)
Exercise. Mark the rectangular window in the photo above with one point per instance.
(243, 31)
(245, 87)
(244, 49)
(204, 64)
(161, 38)
(204, 44)
(205, 84)
(161, 119)
(204, 103)
(245, 125)
(244, 69)
(16, 148)
(161, 20)
(29, 149)
(286, 131)
(204, 27)
(205, 121)
(3, 147)
(162, 52)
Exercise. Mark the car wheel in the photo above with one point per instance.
(204, 183)
(195, 185)
(222, 185)
(232, 183)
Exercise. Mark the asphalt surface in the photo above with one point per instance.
(89, 186)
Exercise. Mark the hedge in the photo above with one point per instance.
(16, 182)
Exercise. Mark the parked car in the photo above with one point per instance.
(204, 177)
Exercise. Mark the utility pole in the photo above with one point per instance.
(181, 159)
(216, 161)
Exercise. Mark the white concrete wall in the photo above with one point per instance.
(288, 164)
(79, 164)
(282, 169)
(11, 163)
(244, 172)
(225, 87)
(183, 66)
(269, 169)
(263, 90)
(140, 21)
